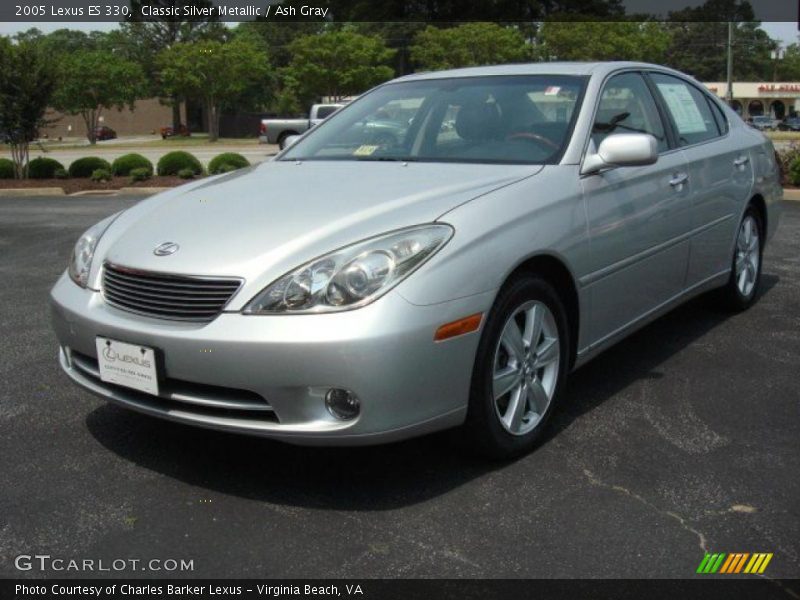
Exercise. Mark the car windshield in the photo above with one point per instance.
(496, 119)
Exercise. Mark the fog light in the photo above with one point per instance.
(342, 404)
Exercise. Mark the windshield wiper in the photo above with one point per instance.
(386, 158)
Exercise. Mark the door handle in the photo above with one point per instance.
(678, 179)
(741, 161)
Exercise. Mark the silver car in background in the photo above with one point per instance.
(519, 220)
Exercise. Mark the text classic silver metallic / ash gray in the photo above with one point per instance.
(441, 252)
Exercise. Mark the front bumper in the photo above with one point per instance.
(267, 375)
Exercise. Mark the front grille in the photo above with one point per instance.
(166, 296)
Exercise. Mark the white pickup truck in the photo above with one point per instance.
(275, 131)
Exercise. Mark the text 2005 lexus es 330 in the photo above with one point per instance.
(441, 252)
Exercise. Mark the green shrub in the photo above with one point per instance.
(127, 163)
(101, 175)
(43, 168)
(84, 167)
(186, 173)
(61, 174)
(229, 159)
(794, 172)
(174, 162)
(786, 156)
(6, 168)
(141, 174)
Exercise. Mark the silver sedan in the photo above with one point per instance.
(511, 224)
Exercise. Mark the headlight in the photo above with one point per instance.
(353, 276)
(81, 260)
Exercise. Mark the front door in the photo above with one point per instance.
(638, 217)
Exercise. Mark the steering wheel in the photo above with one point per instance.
(533, 137)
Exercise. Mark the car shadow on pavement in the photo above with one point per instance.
(378, 477)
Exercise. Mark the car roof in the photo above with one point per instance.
(541, 68)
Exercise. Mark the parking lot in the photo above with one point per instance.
(683, 439)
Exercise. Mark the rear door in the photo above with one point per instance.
(639, 217)
(721, 173)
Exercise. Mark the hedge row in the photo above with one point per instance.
(180, 163)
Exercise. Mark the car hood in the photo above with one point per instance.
(261, 222)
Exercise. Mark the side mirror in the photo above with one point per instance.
(290, 140)
(622, 150)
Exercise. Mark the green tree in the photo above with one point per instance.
(221, 74)
(336, 64)
(27, 81)
(468, 45)
(144, 38)
(602, 40)
(92, 81)
(788, 69)
(700, 38)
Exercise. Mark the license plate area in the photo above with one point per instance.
(129, 365)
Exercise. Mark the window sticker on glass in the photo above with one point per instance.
(683, 108)
(364, 150)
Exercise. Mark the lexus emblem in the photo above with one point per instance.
(166, 249)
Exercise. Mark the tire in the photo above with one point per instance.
(282, 139)
(493, 428)
(741, 291)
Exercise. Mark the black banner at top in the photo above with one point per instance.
(450, 11)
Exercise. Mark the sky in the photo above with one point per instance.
(786, 32)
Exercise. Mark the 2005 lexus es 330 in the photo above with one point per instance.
(441, 252)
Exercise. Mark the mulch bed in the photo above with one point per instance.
(81, 185)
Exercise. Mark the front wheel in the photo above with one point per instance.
(520, 367)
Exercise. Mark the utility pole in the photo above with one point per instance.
(729, 92)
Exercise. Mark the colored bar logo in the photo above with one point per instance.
(735, 562)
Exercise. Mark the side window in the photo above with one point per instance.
(626, 106)
(324, 112)
(688, 108)
(719, 116)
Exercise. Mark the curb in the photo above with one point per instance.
(43, 191)
(143, 191)
(791, 194)
(57, 191)
(94, 193)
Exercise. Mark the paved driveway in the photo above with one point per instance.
(684, 438)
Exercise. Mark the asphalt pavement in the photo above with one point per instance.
(685, 438)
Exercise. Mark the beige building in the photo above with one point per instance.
(148, 116)
(752, 98)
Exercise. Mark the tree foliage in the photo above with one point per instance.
(602, 40)
(468, 45)
(336, 64)
(27, 81)
(146, 37)
(699, 41)
(92, 81)
(221, 74)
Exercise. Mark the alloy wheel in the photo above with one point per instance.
(748, 256)
(525, 368)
